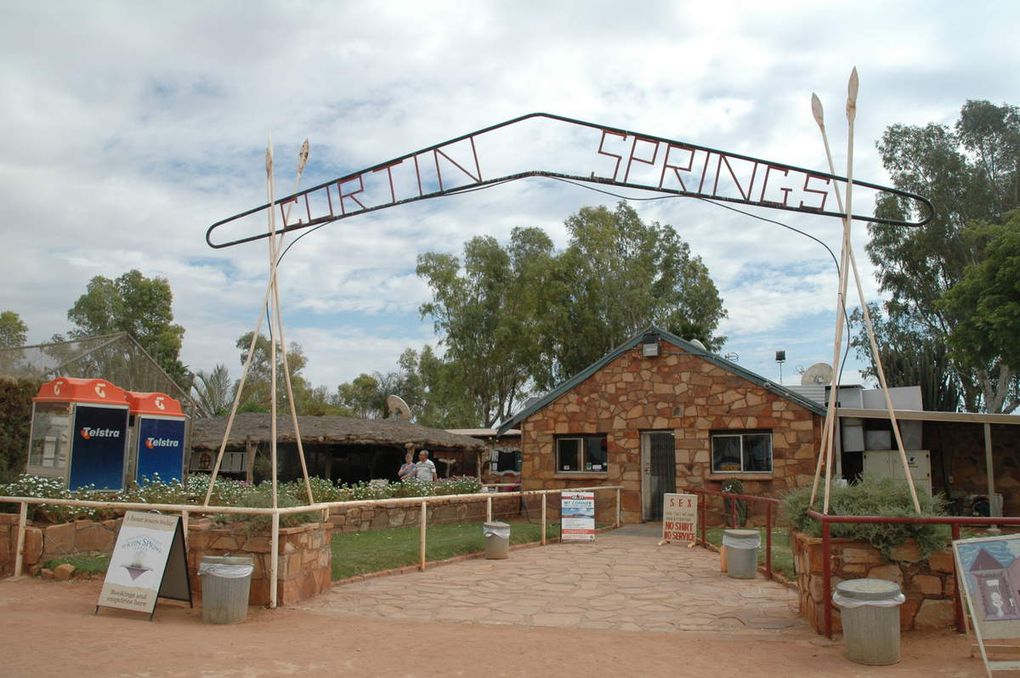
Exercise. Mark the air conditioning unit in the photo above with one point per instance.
(887, 464)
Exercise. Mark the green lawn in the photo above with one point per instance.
(782, 555)
(363, 552)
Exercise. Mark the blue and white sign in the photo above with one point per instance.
(160, 449)
(97, 452)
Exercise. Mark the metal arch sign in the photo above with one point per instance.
(500, 153)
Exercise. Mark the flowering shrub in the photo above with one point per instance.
(225, 493)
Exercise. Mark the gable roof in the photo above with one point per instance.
(688, 347)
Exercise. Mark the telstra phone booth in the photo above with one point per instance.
(79, 433)
(158, 437)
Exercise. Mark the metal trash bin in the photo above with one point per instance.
(742, 553)
(226, 582)
(497, 540)
(869, 609)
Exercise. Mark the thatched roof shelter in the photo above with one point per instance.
(207, 434)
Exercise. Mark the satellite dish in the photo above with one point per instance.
(698, 344)
(816, 375)
(398, 408)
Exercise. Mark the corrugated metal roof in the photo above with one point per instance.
(688, 347)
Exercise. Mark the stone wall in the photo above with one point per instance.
(960, 449)
(677, 392)
(304, 567)
(929, 585)
(382, 517)
(305, 564)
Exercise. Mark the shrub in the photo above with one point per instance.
(872, 497)
(735, 486)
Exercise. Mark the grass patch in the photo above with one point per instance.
(357, 553)
(84, 563)
(782, 553)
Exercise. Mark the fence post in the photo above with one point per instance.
(957, 600)
(19, 557)
(421, 536)
(488, 509)
(544, 495)
(618, 506)
(827, 577)
(703, 517)
(768, 539)
(274, 559)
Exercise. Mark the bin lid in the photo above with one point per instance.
(868, 589)
(745, 539)
(497, 526)
(227, 560)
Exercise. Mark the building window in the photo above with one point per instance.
(582, 454)
(749, 452)
(507, 461)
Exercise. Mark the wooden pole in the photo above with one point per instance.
(272, 340)
(543, 517)
(274, 559)
(422, 526)
(488, 509)
(618, 506)
(868, 324)
(19, 554)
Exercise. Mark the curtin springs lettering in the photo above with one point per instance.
(88, 433)
(151, 442)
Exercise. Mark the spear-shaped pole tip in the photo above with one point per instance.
(816, 110)
(851, 95)
(303, 156)
(269, 157)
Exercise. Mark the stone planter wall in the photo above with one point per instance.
(929, 585)
(363, 518)
(304, 567)
(305, 558)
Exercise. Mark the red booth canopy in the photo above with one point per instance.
(154, 403)
(71, 389)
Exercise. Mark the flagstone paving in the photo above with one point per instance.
(623, 581)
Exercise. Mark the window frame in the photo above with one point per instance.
(583, 462)
(741, 435)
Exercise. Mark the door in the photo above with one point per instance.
(658, 465)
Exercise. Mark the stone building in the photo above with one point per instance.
(658, 414)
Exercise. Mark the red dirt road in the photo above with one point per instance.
(48, 629)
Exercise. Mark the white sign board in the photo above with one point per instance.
(680, 518)
(577, 516)
(988, 572)
(149, 547)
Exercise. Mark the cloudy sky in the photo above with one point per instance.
(128, 128)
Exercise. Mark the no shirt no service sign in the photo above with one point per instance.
(680, 518)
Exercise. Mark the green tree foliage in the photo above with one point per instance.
(13, 331)
(526, 316)
(139, 306)
(987, 303)
(16, 405)
(213, 391)
(362, 397)
(488, 312)
(972, 174)
(257, 393)
(617, 276)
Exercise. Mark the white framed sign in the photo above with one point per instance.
(149, 561)
(680, 518)
(577, 516)
(988, 574)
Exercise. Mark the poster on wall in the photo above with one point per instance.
(577, 516)
(149, 561)
(680, 518)
(160, 449)
(988, 573)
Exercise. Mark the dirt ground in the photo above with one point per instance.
(48, 629)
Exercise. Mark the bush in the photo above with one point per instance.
(872, 497)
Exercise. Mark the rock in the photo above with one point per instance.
(935, 614)
(46, 573)
(942, 562)
(906, 552)
(887, 572)
(63, 571)
(927, 584)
